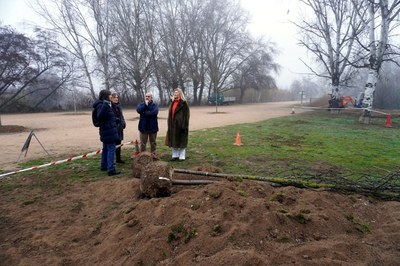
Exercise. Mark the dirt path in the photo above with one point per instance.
(72, 134)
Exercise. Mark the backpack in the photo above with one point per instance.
(95, 120)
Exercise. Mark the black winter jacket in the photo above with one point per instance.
(108, 125)
(119, 117)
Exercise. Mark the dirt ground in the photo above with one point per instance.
(72, 134)
(106, 222)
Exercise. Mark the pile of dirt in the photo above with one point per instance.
(106, 222)
(12, 129)
(320, 102)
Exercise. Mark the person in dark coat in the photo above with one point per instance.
(119, 117)
(148, 123)
(178, 125)
(107, 130)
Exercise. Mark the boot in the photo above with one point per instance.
(118, 155)
(115, 172)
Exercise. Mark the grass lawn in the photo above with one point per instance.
(317, 147)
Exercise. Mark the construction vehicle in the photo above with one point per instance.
(341, 102)
(346, 101)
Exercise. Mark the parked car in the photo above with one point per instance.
(221, 99)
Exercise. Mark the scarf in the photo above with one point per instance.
(174, 105)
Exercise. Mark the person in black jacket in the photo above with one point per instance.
(107, 130)
(148, 123)
(119, 117)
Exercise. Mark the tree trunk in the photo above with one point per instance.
(369, 96)
(334, 102)
(195, 92)
(201, 89)
(375, 59)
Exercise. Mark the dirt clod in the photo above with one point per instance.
(139, 161)
(155, 179)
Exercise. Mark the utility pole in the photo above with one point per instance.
(301, 97)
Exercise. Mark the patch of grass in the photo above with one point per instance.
(314, 148)
(311, 142)
(195, 206)
(283, 239)
(360, 226)
(216, 230)
(279, 197)
(243, 193)
(97, 229)
(364, 228)
(10, 184)
(232, 238)
(86, 169)
(214, 193)
(353, 199)
(190, 234)
(300, 218)
(77, 206)
(181, 232)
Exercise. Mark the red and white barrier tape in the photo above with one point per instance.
(346, 108)
(69, 159)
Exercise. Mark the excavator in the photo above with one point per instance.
(346, 101)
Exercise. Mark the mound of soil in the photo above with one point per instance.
(105, 222)
(12, 129)
(320, 102)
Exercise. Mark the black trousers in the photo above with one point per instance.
(118, 151)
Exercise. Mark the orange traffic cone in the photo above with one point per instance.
(388, 123)
(136, 152)
(238, 141)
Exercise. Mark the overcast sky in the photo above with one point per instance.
(270, 18)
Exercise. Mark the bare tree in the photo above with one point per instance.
(71, 21)
(132, 50)
(154, 43)
(99, 38)
(256, 70)
(135, 45)
(24, 61)
(225, 43)
(329, 35)
(15, 56)
(378, 49)
(196, 21)
(306, 88)
(174, 43)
